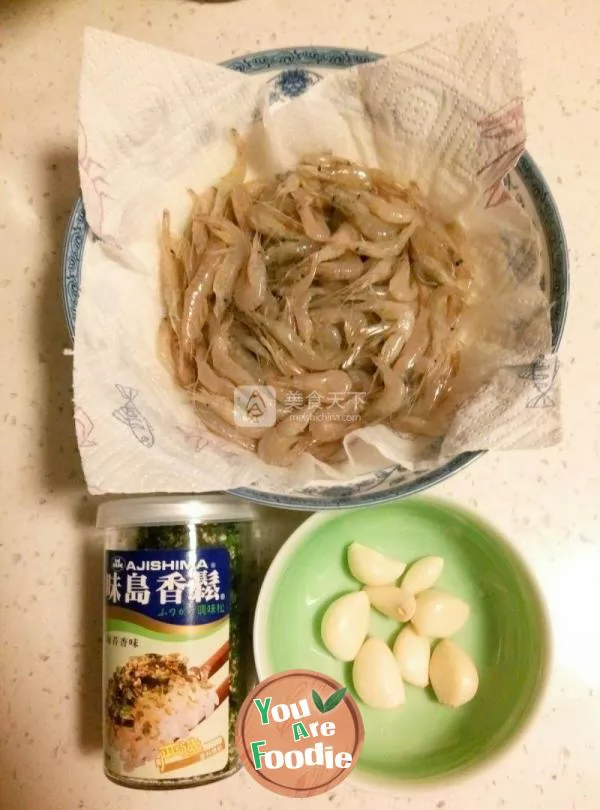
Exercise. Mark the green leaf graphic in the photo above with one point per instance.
(333, 700)
(317, 700)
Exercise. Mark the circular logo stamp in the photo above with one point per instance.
(299, 733)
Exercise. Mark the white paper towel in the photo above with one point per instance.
(447, 114)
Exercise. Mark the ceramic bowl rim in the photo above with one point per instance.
(332, 58)
(383, 784)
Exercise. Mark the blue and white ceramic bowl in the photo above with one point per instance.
(289, 72)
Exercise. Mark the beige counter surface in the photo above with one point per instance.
(50, 577)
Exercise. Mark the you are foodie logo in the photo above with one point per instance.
(299, 733)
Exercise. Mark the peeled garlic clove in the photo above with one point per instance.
(439, 614)
(376, 676)
(393, 602)
(422, 574)
(412, 652)
(371, 567)
(345, 624)
(453, 674)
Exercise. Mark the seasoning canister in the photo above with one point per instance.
(173, 663)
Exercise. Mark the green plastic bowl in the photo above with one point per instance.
(422, 743)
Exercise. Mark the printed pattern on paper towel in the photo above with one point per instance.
(129, 414)
(542, 374)
(506, 125)
(83, 428)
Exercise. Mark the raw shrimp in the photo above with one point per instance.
(234, 258)
(393, 345)
(386, 185)
(336, 421)
(170, 274)
(361, 381)
(356, 350)
(348, 267)
(416, 345)
(211, 329)
(251, 287)
(366, 299)
(323, 383)
(167, 347)
(330, 431)
(397, 311)
(300, 351)
(199, 238)
(355, 325)
(284, 443)
(330, 251)
(186, 369)
(241, 202)
(435, 260)
(393, 210)
(437, 381)
(325, 158)
(400, 287)
(313, 221)
(221, 428)
(290, 251)
(369, 225)
(346, 235)
(224, 408)
(327, 452)
(299, 303)
(375, 274)
(348, 175)
(388, 247)
(252, 344)
(209, 379)
(419, 426)
(434, 239)
(288, 185)
(328, 337)
(195, 300)
(220, 351)
(282, 360)
(330, 279)
(345, 238)
(266, 219)
(247, 360)
(187, 257)
(439, 325)
(432, 272)
(390, 400)
(283, 451)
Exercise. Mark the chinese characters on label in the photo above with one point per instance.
(172, 588)
(113, 640)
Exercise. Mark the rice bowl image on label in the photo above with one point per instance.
(153, 701)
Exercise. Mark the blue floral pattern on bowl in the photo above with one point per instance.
(526, 183)
(291, 83)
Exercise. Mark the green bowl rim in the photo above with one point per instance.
(380, 784)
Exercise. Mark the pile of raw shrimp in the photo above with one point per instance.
(331, 283)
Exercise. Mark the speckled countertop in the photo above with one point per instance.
(50, 571)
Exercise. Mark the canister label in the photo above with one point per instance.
(166, 673)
